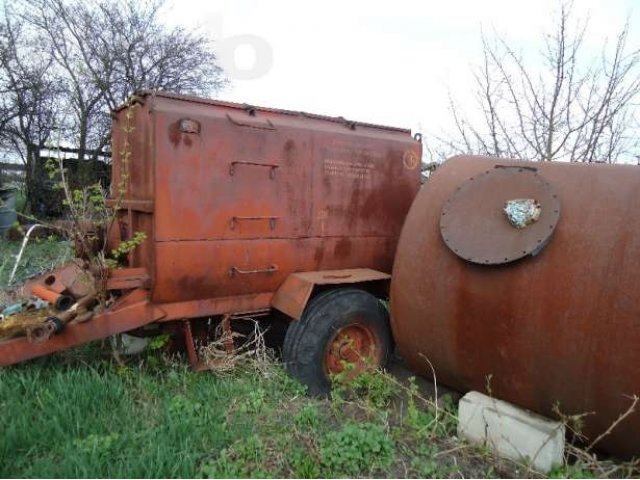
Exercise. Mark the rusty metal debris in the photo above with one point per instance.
(59, 301)
(17, 323)
(54, 324)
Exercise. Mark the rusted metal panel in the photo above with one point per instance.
(128, 278)
(338, 277)
(129, 312)
(208, 269)
(145, 206)
(293, 295)
(478, 206)
(70, 278)
(233, 198)
(237, 304)
(558, 327)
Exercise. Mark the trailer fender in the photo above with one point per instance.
(292, 296)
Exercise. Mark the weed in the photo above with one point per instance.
(423, 461)
(448, 419)
(418, 420)
(570, 471)
(253, 402)
(356, 450)
(181, 405)
(97, 444)
(159, 342)
(374, 387)
(304, 465)
(241, 460)
(307, 417)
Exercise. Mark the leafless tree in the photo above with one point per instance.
(28, 110)
(64, 64)
(107, 49)
(565, 107)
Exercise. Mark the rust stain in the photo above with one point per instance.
(174, 133)
(556, 326)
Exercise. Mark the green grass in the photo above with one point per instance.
(71, 418)
(40, 256)
(81, 414)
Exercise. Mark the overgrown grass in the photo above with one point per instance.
(84, 417)
(80, 414)
(40, 256)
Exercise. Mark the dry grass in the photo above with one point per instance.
(231, 350)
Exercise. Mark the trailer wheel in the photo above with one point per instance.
(338, 327)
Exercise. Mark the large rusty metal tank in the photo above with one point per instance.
(545, 312)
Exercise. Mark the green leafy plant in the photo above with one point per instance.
(92, 217)
(356, 450)
(307, 417)
(419, 420)
(127, 246)
(374, 387)
(159, 342)
(253, 402)
(571, 471)
(180, 405)
(97, 444)
(243, 459)
(303, 464)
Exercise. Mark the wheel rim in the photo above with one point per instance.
(355, 344)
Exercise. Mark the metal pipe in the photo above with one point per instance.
(59, 301)
(55, 324)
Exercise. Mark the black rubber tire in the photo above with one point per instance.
(307, 339)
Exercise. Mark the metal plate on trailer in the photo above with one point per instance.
(474, 225)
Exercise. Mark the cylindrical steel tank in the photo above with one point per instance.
(545, 314)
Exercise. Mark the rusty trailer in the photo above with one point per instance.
(246, 211)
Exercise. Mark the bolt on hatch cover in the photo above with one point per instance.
(500, 215)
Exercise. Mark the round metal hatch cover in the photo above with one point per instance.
(474, 225)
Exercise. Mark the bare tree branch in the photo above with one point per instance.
(564, 106)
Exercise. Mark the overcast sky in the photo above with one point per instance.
(389, 62)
